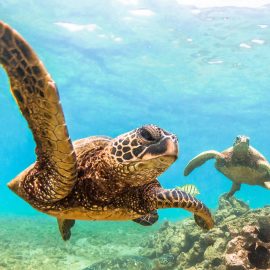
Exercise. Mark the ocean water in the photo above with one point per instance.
(199, 71)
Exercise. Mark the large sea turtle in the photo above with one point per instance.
(241, 163)
(96, 178)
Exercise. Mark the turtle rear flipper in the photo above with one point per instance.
(148, 219)
(235, 187)
(65, 226)
(36, 94)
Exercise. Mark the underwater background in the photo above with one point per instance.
(200, 71)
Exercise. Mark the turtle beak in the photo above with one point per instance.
(172, 147)
(167, 147)
(244, 140)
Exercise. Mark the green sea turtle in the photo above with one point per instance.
(96, 178)
(241, 163)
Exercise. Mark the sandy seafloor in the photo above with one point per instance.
(36, 243)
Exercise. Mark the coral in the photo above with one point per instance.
(164, 262)
(122, 262)
(250, 249)
(240, 240)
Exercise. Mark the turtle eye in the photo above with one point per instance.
(146, 135)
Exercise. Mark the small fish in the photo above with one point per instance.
(190, 189)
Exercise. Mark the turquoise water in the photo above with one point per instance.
(201, 73)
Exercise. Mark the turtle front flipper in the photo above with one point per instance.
(65, 226)
(174, 198)
(55, 171)
(201, 159)
(147, 220)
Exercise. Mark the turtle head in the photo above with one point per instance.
(241, 143)
(142, 154)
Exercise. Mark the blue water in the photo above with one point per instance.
(202, 74)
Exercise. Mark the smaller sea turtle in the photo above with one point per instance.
(241, 163)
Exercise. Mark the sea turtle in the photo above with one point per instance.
(241, 163)
(96, 178)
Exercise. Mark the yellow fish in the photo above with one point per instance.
(190, 189)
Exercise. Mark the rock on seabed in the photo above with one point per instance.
(239, 241)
